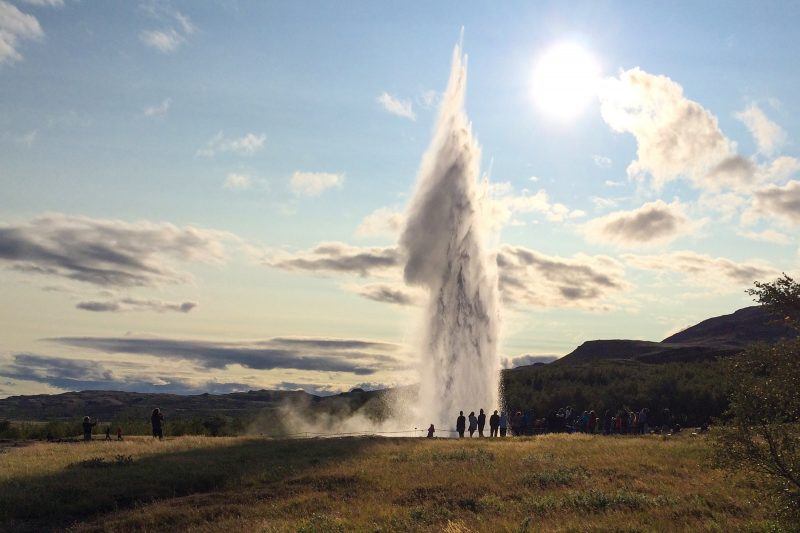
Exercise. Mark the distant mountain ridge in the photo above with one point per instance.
(715, 337)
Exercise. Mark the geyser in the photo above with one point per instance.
(444, 244)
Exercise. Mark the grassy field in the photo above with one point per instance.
(548, 483)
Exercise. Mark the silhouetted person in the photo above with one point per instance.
(494, 423)
(157, 419)
(119, 433)
(481, 423)
(87, 428)
(461, 424)
(108, 432)
(503, 424)
(516, 424)
(473, 423)
(431, 431)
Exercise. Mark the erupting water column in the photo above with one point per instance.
(443, 242)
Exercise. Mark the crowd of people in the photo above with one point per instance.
(566, 420)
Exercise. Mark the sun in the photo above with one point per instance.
(565, 80)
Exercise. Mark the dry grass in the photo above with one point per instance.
(550, 483)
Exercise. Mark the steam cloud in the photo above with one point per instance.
(443, 244)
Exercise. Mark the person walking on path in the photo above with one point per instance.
(473, 423)
(156, 420)
(108, 432)
(481, 423)
(461, 424)
(87, 427)
(494, 423)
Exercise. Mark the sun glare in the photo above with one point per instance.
(565, 80)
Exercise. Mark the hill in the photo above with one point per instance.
(715, 337)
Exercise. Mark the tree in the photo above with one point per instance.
(762, 433)
(781, 297)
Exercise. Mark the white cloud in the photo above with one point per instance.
(610, 183)
(602, 161)
(531, 279)
(246, 145)
(653, 223)
(718, 272)
(108, 253)
(676, 137)
(775, 201)
(768, 135)
(504, 203)
(15, 26)
(768, 235)
(603, 203)
(158, 110)
(314, 183)
(176, 27)
(45, 3)
(237, 182)
(165, 41)
(381, 222)
(395, 106)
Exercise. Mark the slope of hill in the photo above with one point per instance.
(716, 337)
(108, 405)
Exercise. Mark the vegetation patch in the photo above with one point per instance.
(554, 477)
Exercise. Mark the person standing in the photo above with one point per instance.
(494, 423)
(481, 423)
(87, 427)
(461, 424)
(503, 424)
(156, 420)
(431, 431)
(473, 423)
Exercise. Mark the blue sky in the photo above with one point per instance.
(170, 169)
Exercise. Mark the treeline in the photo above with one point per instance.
(693, 392)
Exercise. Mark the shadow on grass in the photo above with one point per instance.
(77, 493)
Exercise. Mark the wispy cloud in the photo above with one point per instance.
(381, 222)
(531, 279)
(237, 182)
(504, 203)
(719, 272)
(174, 31)
(767, 235)
(248, 144)
(601, 161)
(16, 26)
(314, 183)
(133, 304)
(45, 3)
(396, 106)
(768, 135)
(158, 110)
(81, 374)
(109, 253)
(339, 257)
(324, 355)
